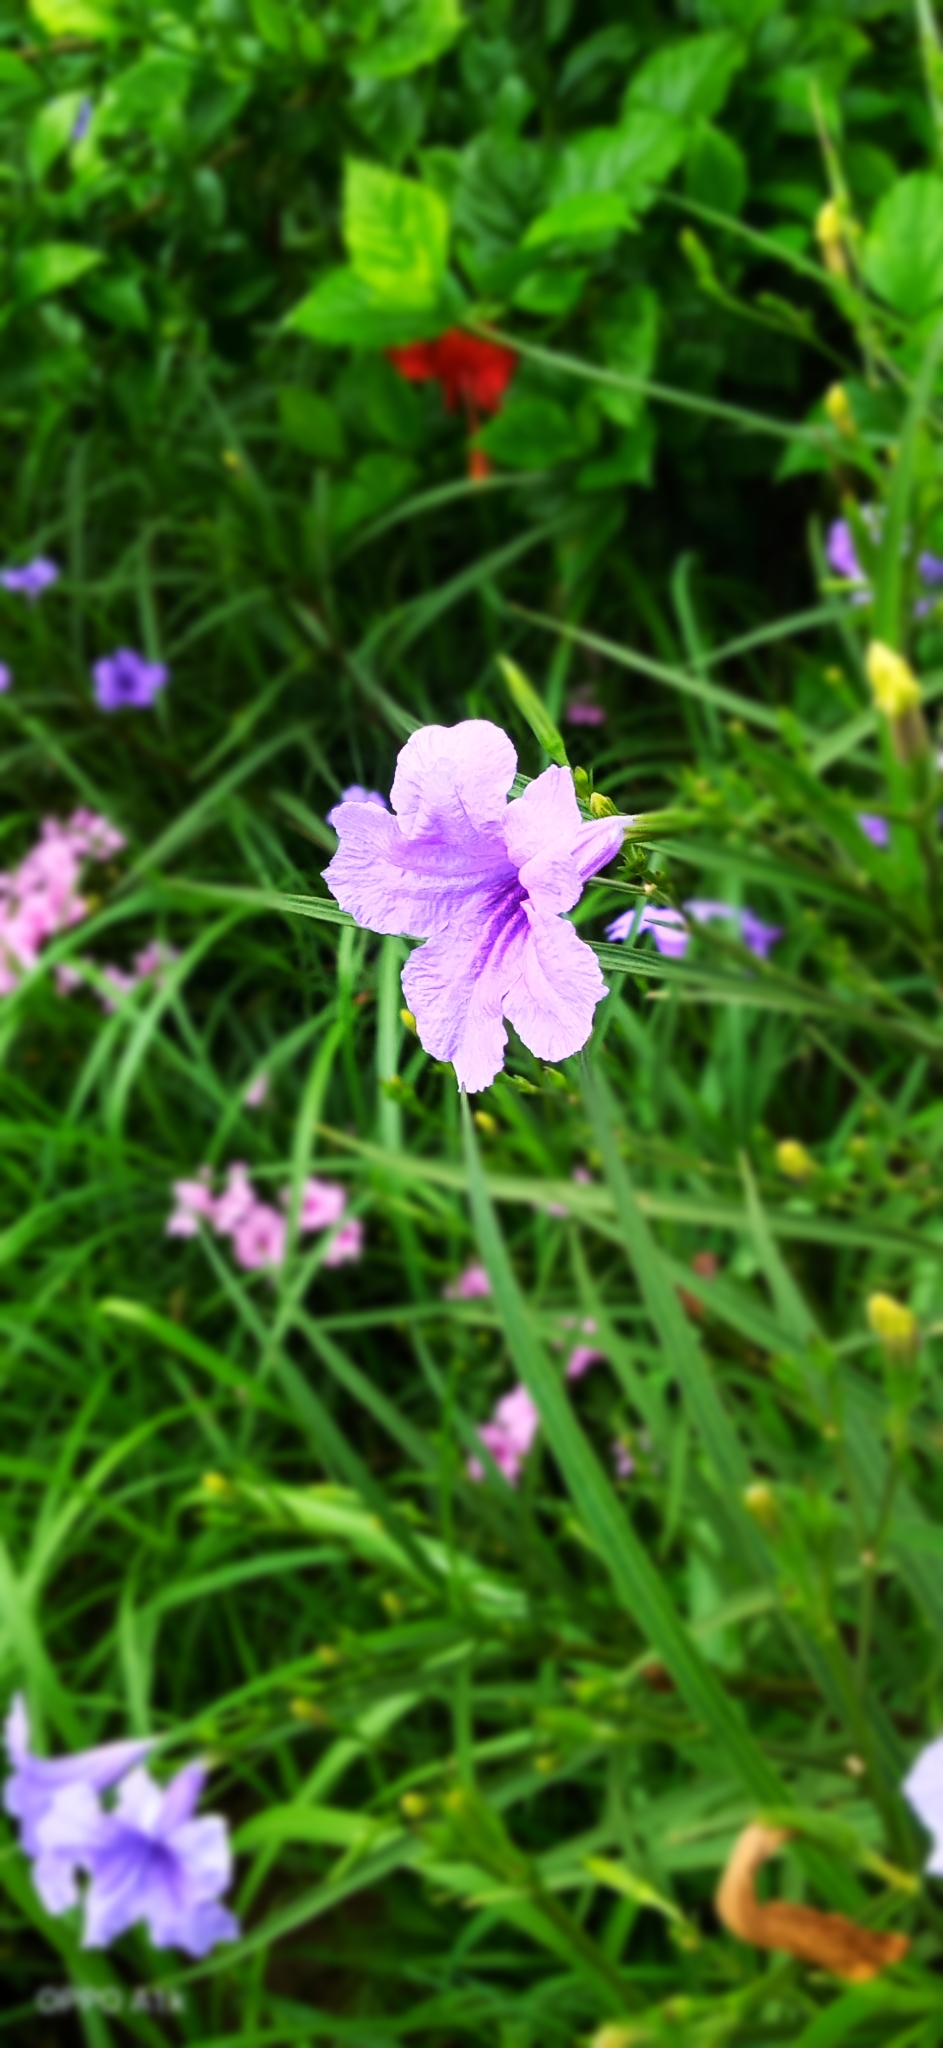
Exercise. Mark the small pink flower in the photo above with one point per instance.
(581, 1359)
(259, 1239)
(322, 1204)
(116, 984)
(582, 708)
(257, 1092)
(194, 1201)
(347, 1243)
(153, 958)
(623, 1463)
(236, 1200)
(582, 1176)
(508, 1436)
(472, 1285)
(68, 979)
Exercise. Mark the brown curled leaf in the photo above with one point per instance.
(826, 1939)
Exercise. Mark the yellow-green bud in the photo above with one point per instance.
(839, 411)
(213, 1482)
(413, 1806)
(602, 806)
(406, 1017)
(760, 1502)
(894, 686)
(489, 1125)
(895, 1326)
(793, 1159)
(828, 232)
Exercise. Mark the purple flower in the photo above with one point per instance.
(83, 120)
(6, 677)
(842, 558)
(669, 928)
(471, 1285)
(930, 569)
(346, 1244)
(322, 1204)
(125, 680)
(840, 553)
(356, 794)
(484, 882)
(874, 828)
(923, 1789)
(259, 1237)
(582, 708)
(623, 1463)
(147, 1859)
(581, 1358)
(32, 579)
(508, 1436)
(256, 1095)
(36, 1782)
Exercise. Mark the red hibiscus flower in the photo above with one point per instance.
(472, 373)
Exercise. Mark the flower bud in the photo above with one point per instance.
(793, 1160)
(413, 1806)
(488, 1125)
(760, 1502)
(581, 784)
(839, 411)
(621, 2037)
(213, 1482)
(602, 806)
(406, 1017)
(897, 696)
(828, 234)
(895, 1326)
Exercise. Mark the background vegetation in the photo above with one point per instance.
(484, 1749)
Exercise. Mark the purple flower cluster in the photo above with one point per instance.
(144, 1858)
(485, 883)
(258, 1231)
(670, 929)
(125, 681)
(842, 558)
(41, 897)
(874, 828)
(32, 578)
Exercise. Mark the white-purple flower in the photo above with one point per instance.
(356, 794)
(484, 882)
(874, 827)
(32, 578)
(842, 557)
(147, 1859)
(923, 1788)
(670, 929)
(125, 681)
(6, 677)
(36, 1781)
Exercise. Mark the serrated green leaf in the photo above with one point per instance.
(585, 214)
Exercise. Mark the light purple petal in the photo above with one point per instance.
(874, 828)
(122, 1888)
(757, 936)
(196, 1930)
(415, 886)
(205, 1857)
(445, 773)
(923, 1788)
(455, 988)
(555, 990)
(182, 1797)
(356, 794)
(596, 843)
(840, 552)
(69, 1836)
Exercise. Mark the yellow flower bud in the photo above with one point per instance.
(893, 684)
(793, 1159)
(406, 1017)
(413, 1806)
(213, 1482)
(838, 409)
(760, 1502)
(489, 1125)
(829, 235)
(895, 1326)
(602, 806)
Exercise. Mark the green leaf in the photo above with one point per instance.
(311, 423)
(92, 18)
(397, 232)
(273, 23)
(119, 300)
(150, 95)
(586, 213)
(378, 481)
(531, 433)
(690, 78)
(902, 258)
(424, 31)
(716, 170)
(50, 267)
(51, 132)
(531, 707)
(629, 463)
(346, 312)
(627, 160)
(628, 335)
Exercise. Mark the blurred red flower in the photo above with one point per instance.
(472, 372)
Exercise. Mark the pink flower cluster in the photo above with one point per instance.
(515, 1422)
(40, 898)
(257, 1231)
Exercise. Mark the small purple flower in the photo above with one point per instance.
(841, 555)
(124, 680)
(471, 1285)
(356, 794)
(6, 677)
(32, 579)
(581, 1359)
(670, 932)
(508, 1436)
(623, 1463)
(83, 120)
(484, 882)
(582, 708)
(930, 569)
(147, 1859)
(923, 1789)
(36, 1782)
(874, 828)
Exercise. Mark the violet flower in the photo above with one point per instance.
(32, 579)
(923, 1789)
(484, 882)
(257, 1092)
(508, 1436)
(6, 677)
(582, 708)
(36, 1781)
(147, 1859)
(581, 1358)
(842, 558)
(874, 828)
(356, 794)
(125, 681)
(623, 1463)
(346, 1244)
(259, 1237)
(471, 1285)
(669, 928)
(194, 1204)
(83, 120)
